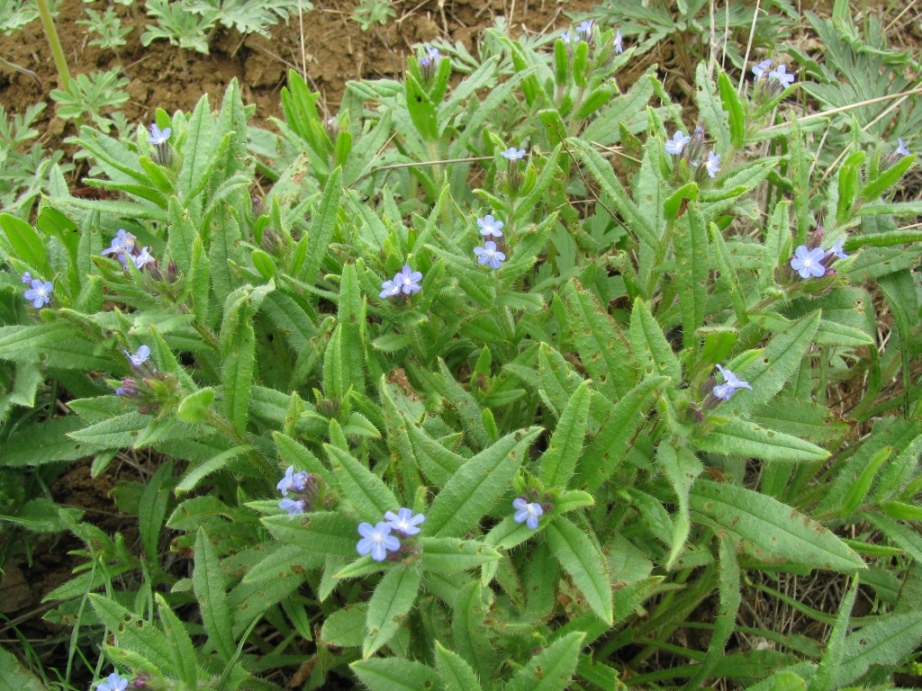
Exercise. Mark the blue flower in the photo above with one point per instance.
(489, 255)
(759, 70)
(408, 280)
(377, 540)
(26, 278)
(808, 262)
(113, 683)
(404, 521)
(901, 149)
(490, 226)
(127, 388)
(39, 293)
(292, 506)
(513, 154)
(675, 145)
(782, 76)
(731, 384)
(139, 357)
(619, 42)
(526, 512)
(389, 289)
(431, 58)
(158, 136)
(122, 245)
(293, 482)
(569, 38)
(837, 250)
(713, 164)
(586, 27)
(144, 258)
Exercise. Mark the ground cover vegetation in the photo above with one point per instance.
(502, 376)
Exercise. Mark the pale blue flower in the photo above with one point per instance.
(488, 254)
(526, 512)
(586, 27)
(731, 384)
(143, 258)
(713, 164)
(619, 42)
(513, 154)
(404, 521)
(837, 250)
(26, 278)
(431, 58)
(569, 38)
(139, 357)
(40, 293)
(377, 540)
(675, 145)
(408, 280)
(122, 245)
(292, 506)
(158, 136)
(389, 289)
(113, 682)
(782, 76)
(490, 226)
(293, 482)
(808, 262)
(759, 70)
(901, 149)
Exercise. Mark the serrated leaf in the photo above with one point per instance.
(327, 532)
(829, 665)
(152, 508)
(552, 668)
(209, 585)
(388, 606)
(579, 557)
(681, 468)
(652, 350)
(345, 628)
(558, 463)
(395, 674)
(886, 642)
(367, 493)
(475, 487)
(321, 231)
(454, 554)
(456, 674)
(743, 438)
(133, 632)
(181, 649)
(690, 241)
(776, 529)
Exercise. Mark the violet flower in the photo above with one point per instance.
(759, 70)
(139, 357)
(40, 293)
(293, 482)
(526, 512)
(731, 384)
(619, 42)
(292, 506)
(513, 154)
(809, 262)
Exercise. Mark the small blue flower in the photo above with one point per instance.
(490, 226)
(901, 149)
(139, 357)
(526, 512)
(26, 278)
(837, 250)
(675, 145)
(113, 683)
(293, 482)
(408, 280)
(586, 27)
(377, 540)
(569, 38)
(143, 258)
(513, 154)
(759, 70)
(158, 136)
(619, 42)
(404, 521)
(782, 76)
(292, 506)
(808, 262)
(488, 254)
(389, 289)
(122, 245)
(39, 293)
(731, 384)
(713, 164)
(431, 58)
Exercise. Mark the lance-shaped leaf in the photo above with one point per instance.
(395, 674)
(690, 241)
(181, 649)
(777, 531)
(580, 558)
(327, 532)
(13, 675)
(210, 591)
(681, 468)
(826, 673)
(345, 628)
(454, 554)
(469, 633)
(133, 632)
(321, 232)
(351, 316)
(743, 438)
(364, 490)
(392, 599)
(552, 668)
(652, 350)
(727, 274)
(559, 461)
(475, 487)
(887, 642)
(456, 674)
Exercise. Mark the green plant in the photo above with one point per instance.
(92, 95)
(109, 28)
(15, 14)
(371, 11)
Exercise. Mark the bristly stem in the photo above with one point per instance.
(51, 34)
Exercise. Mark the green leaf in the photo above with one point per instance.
(469, 634)
(711, 109)
(210, 591)
(181, 235)
(777, 531)
(27, 243)
(152, 508)
(580, 558)
(395, 674)
(743, 438)
(198, 149)
(321, 231)
(388, 607)
(734, 108)
(886, 179)
(327, 532)
(367, 493)
(456, 674)
(454, 554)
(283, 561)
(345, 628)
(857, 492)
(133, 632)
(351, 316)
(690, 241)
(45, 442)
(650, 346)
(826, 673)
(558, 463)
(676, 202)
(181, 649)
(887, 642)
(849, 179)
(14, 676)
(476, 486)
(552, 668)
(681, 468)
(194, 407)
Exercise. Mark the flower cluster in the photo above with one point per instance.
(584, 32)
(770, 83)
(815, 262)
(692, 152)
(138, 360)
(490, 254)
(301, 485)
(405, 282)
(378, 540)
(731, 383)
(429, 63)
(39, 291)
(124, 246)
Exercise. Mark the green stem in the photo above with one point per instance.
(51, 35)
